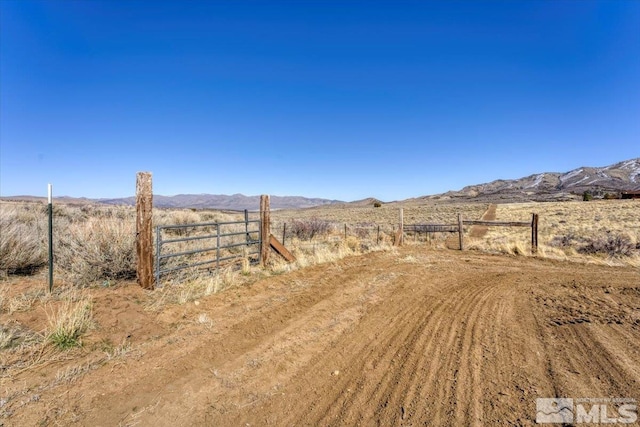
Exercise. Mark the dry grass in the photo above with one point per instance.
(92, 243)
(97, 249)
(605, 232)
(23, 233)
(195, 286)
(385, 216)
(25, 301)
(68, 321)
(95, 244)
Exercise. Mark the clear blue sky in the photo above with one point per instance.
(334, 99)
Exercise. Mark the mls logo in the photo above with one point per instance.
(557, 411)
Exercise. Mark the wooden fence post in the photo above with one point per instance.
(144, 230)
(265, 229)
(401, 232)
(460, 232)
(534, 233)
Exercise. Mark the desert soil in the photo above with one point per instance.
(407, 337)
(479, 231)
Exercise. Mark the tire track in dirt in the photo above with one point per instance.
(423, 340)
(227, 359)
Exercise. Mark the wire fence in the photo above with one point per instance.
(308, 233)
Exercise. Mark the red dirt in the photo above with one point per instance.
(411, 337)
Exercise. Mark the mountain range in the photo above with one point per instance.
(224, 202)
(623, 176)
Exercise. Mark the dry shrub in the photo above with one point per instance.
(564, 241)
(615, 245)
(611, 244)
(309, 228)
(97, 249)
(22, 241)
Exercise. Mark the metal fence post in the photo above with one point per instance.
(50, 212)
(158, 253)
(284, 233)
(217, 246)
(534, 234)
(246, 225)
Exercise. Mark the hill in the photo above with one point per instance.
(623, 176)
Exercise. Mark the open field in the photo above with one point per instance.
(597, 231)
(352, 333)
(405, 337)
(387, 214)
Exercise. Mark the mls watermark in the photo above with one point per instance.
(587, 410)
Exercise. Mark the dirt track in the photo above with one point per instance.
(479, 231)
(408, 338)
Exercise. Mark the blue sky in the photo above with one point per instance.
(334, 99)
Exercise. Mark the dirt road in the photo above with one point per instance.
(411, 337)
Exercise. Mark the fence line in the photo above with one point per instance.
(459, 228)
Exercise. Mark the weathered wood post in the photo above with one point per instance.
(265, 229)
(144, 230)
(400, 233)
(460, 232)
(534, 234)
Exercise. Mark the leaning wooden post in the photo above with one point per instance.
(144, 233)
(460, 232)
(265, 229)
(534, 233)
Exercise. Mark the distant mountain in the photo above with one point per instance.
(224, 202)
(623, 176)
